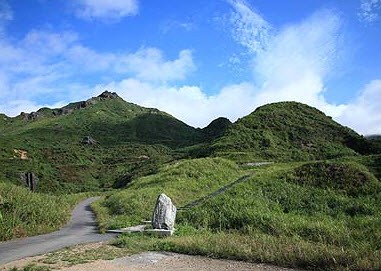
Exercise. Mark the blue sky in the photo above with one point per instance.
(196, 60)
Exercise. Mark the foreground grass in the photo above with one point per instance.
(23, 213)
(182, 181)
(322, 215)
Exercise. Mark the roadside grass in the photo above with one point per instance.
(31, 267)
(79, 254)
(283, 216)
(23, 213)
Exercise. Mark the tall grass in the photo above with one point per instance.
(182, 181)
(278, 217)
(23, 213)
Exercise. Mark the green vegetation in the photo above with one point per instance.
(31, 267)
(24, 213)
(130, 141)
(279, 217)
(289, 131)
(184, 181)
(318, 209)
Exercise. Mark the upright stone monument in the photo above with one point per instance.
(30, 179)
(164, 214)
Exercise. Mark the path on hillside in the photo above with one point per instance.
(81, 228)
(215, 193)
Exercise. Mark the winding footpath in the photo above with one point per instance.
(81, 229)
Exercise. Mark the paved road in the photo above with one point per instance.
(80, 229)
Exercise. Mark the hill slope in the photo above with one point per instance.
(289, 131)
(105, 142)
(91, 144)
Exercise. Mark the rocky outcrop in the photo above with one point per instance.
(108, 95)
(88, 140)
(164, 214)
(30, 116)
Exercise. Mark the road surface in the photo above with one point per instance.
(81, 228)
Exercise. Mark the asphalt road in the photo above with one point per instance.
(80, 229)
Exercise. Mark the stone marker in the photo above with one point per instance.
(164, 214)
(30, 179)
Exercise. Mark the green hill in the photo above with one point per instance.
(90, 145)
(106, 142)
(289, 131)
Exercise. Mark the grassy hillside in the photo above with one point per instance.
(283, 215)
(289, 131)
(129, 141)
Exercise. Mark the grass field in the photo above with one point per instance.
(277, 216)
(183, 181)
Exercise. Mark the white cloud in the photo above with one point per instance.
(106, 9)
(291, 63)
(250, 29)
(149, 64)
(369, 10)
(188, 103)
(297, 61)
(364, 114)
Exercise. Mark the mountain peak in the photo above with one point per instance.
(108, 95)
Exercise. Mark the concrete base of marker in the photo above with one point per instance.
(160, 232)
(142, 229)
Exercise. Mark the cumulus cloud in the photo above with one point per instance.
(369, 10)
(298, 60)
(149, 64)
(106, 9)
(188, 103)
(364, 114)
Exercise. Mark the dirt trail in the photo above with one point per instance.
(157, 261)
